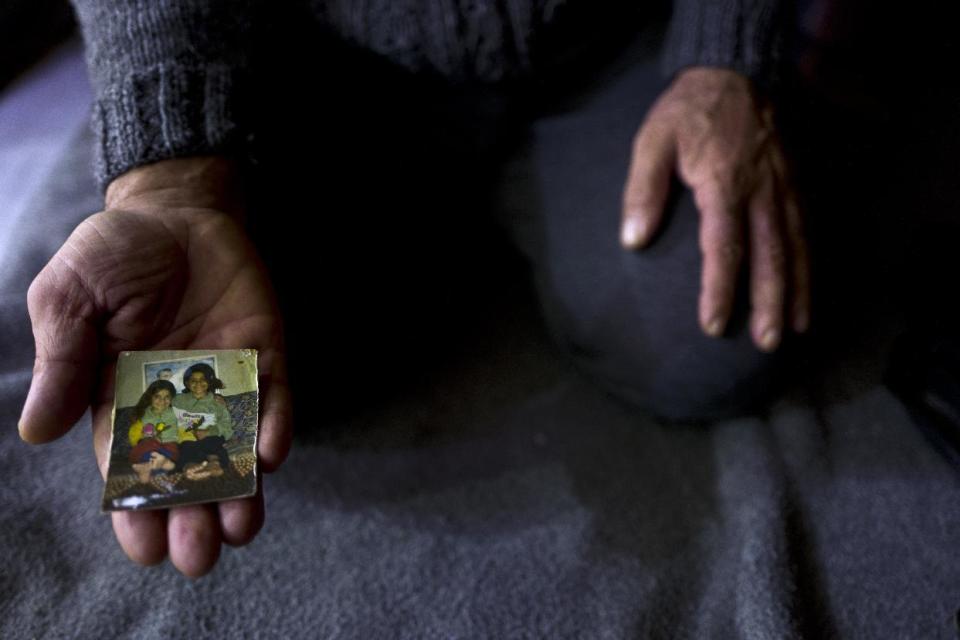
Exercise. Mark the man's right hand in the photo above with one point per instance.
(165, 266)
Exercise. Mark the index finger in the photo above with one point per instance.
(648, 183)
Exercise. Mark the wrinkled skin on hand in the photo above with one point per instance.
(717, 135)
(164, 267)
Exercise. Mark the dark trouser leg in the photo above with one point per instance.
(196, 452)
(215, 446)
(191, 452)
(629, 320)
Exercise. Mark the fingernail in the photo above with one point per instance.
(715, 327)
(634, 231)
(769, 339)
(22, 430)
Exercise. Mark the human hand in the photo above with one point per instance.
(165, 266)
(718, 135)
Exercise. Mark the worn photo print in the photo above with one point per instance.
(184, 429)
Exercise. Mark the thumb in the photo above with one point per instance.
(648, 182)
(64, 331)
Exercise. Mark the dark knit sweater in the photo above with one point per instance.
(168, 75)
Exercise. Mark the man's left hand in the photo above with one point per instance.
(718, 135)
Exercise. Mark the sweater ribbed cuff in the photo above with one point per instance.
(742, 35)
(168, 111)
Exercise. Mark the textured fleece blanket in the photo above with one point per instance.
(505, 498)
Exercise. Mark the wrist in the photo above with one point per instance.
(713, 89)
(715, 78)
(206, 182)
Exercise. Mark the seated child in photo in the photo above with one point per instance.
(207, 428)
(153, 435)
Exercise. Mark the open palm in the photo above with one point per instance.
(144, 278)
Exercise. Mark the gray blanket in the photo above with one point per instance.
(506, 497)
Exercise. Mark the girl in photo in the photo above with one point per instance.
(208, 424)
(153, 435)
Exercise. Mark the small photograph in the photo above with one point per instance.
(184, 429)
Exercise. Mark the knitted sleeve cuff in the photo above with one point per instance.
(167, 78)
(742, 35)
(168, 111)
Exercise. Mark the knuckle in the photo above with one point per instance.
(763, 218)
(702, 199)
(769, 292)
(726, 254)
(724, 174)
(715, 194)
